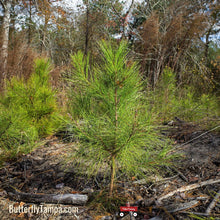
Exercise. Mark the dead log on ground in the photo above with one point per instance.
(73, 199)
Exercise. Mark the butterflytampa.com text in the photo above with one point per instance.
(42, 209)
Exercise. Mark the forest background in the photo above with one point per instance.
(176, 44)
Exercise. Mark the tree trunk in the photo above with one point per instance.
(30, 23)
(5, 39)
(44, 33)
(207, 46)
(87, 30)
(125, 20)
(113, 168)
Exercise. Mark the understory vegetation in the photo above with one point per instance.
(170, 100)
(28, 111)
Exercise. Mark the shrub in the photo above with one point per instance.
(168, 102)
(28, 110)
(165, 103)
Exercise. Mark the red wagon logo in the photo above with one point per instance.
(128, 208)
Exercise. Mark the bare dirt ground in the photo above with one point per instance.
(188, 190)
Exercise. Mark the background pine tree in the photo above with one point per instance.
(28, 110)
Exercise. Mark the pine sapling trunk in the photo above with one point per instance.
(116, 128)
(112, 175)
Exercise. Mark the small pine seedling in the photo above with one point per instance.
(111, 118)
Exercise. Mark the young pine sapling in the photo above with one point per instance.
(111, 115)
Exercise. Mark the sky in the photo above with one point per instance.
(73, 3)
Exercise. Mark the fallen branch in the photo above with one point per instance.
(177, 147)
(181, 206)
(213, 203)
(180, 174)
(189, 187)
(73, 199)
